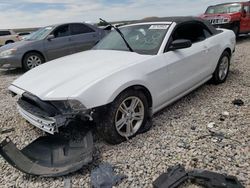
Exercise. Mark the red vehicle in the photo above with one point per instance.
(234, 16)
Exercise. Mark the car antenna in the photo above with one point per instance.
(120, 33)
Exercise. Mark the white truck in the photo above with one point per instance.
(8, 36)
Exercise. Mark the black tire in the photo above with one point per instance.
(9, 42)
(27, 66)
(217, 76)
(236, 30)
(107, 117)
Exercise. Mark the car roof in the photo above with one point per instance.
(229, 3)
(178, 20)
(59, 24)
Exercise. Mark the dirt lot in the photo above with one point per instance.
(180, 134)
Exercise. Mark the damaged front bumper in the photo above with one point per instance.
(48, 125)
(44, 115)
(49, 156)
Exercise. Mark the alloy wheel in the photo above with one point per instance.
(129, 116)
(223, 68)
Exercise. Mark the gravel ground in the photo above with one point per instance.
(180, 134)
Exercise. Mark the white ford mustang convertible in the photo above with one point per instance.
(132, 73)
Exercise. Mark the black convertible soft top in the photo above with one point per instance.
(179, 20)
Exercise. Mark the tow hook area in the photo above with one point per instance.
(50, 156)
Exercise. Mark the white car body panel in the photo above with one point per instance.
(97, 77)
(77, 75)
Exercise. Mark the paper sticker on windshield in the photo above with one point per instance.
(159, 26)
(48, 28)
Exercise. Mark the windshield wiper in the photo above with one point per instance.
(120, 33)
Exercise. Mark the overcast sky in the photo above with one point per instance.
(33, 13)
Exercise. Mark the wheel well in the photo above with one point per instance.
(237, 23)
(33, 51)
(144, 90)
(228, 50)
(8, 41)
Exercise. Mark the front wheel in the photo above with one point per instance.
(32, 60)
(222, 69)
(236, 30)
(124, 118)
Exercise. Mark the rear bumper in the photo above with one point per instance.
(11, 62)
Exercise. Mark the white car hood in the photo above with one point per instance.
(63, 77)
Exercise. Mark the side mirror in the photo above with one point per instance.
(180, 44)
(50, 37)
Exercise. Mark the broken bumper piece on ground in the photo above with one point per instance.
(49, 156)
(177, 175)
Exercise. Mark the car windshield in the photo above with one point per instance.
(40, 33)
(224, 9)
(143, 39)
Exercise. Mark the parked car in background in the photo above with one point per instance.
(125, 79)
(234, 16)
(8, 36)
(49, 43)
(23, 35)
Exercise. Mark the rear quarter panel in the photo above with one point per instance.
(219, 43)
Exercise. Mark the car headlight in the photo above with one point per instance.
(69, 106)
(76, 105)
(7, 52)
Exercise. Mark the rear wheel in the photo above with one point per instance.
(125, 117)
(222, 69)
(32, 60)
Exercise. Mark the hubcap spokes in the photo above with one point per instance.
(223, 69)
(129, 116)
(33, 61)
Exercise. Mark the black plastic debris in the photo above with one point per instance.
(174, 177)
(6, 130)
(105, 177)
(177, 175)
(238, 102)
(50, 156)
(193, 128)
(213, 180)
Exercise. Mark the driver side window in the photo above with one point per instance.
(195, 32)
(246, 10)
(62, 31)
